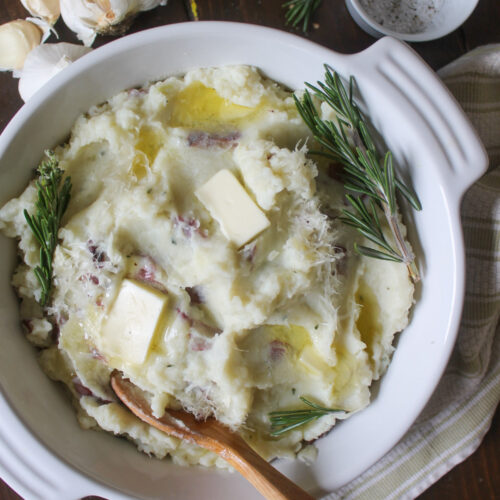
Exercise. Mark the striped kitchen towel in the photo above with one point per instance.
(459, 413)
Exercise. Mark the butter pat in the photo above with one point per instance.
(132, 322)
(230, 205)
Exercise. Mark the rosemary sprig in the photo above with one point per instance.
(286, 420)
(367, 173)
(50, 206)
(300, 11)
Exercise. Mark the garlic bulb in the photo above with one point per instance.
(17, 39)
(45, 61)
(48, 10)
(107, 17)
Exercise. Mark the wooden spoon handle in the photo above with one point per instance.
(263, 476)
(213, 436)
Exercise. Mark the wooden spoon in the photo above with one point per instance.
(213, 436)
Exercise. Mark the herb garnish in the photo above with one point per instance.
(286, 420)
(50, 206)
(366, 172)
(300, 11)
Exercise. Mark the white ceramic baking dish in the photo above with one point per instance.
(44, 453)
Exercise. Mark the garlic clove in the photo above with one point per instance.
(48, 10)
(87, 18)
(45, 61)
(17, 39)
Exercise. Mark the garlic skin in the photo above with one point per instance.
(87, 18)
(48, 10)
(17, 39)
(44, 62)
(46, 28)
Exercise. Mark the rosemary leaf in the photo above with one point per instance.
(285, 420)
(369, 175)
(52, 201)
(300, 11)
(409, 194)
(376, 254)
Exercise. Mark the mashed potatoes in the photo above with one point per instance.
(150, 279)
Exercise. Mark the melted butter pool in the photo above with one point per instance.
(201, 106)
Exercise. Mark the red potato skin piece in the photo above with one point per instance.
(195, 295)
(96, 354)
(137, 92)
(184, 316)
(205, 140)
(89, 277)
(80, 388)
(189, 226)
(277, 350)
(249, 252)
(147, 274)
(204, 328)
(98, 255)
(197, 343)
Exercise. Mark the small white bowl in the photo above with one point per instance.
(451, 15)
(43, 452)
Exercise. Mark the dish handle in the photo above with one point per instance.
(402, 79)
(38, 475)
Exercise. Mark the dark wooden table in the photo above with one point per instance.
(478, 478)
